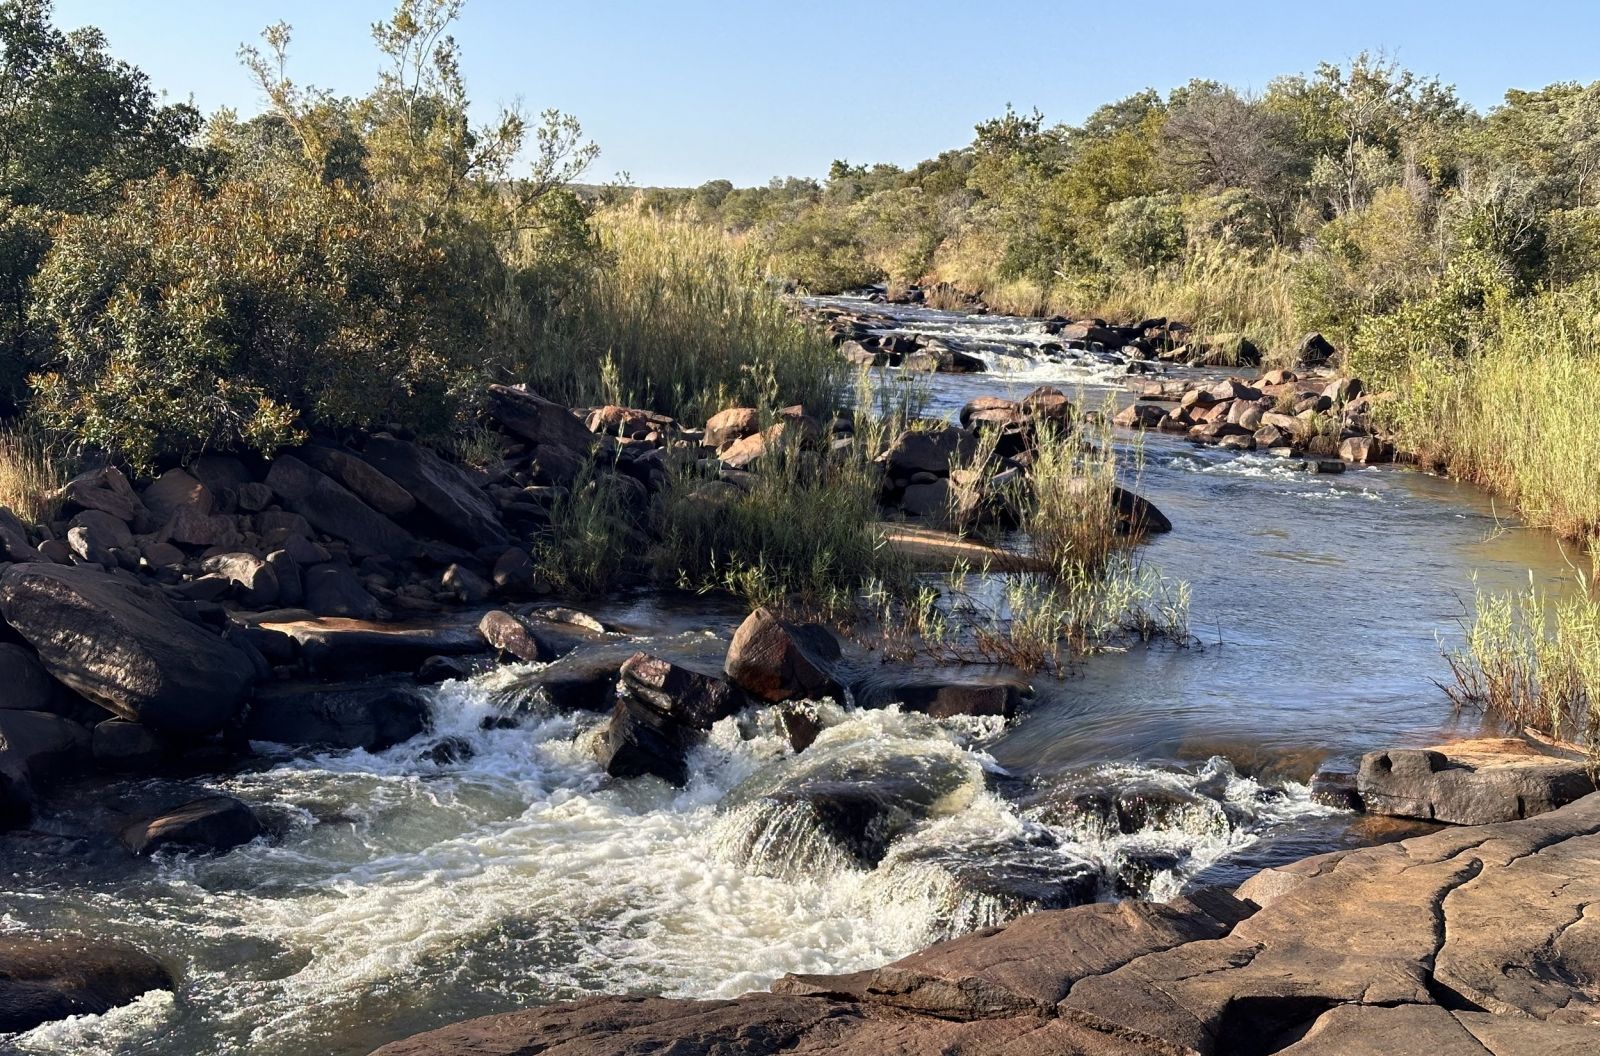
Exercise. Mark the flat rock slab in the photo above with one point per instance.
(931, 548)
(1469, 940)
(1476, 782)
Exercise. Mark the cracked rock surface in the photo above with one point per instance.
(1471, 941)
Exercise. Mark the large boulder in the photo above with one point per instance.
(661, 710)
(929, 451)
(333, 589)
(332, 509)
(456, 508)
(370, 715)
(106, 490)
(690, 698)
(212, 825)
(1473, 782)
(123, 645)
(36, 748)
(24, 686)
(775, 660)
(43, 980)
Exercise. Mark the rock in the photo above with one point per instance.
(163, 555)
(47, 979)
(105, 490)
(291, 587)
(510, 636)
(332, 509)
(174, 490)
(735, 423)
(254, 496)
(929, 451)
(24, 686)
(943, 701)
(456, 508)
(213, 825)
(1364, 449)
(660, 711)
(1137, 515)
(930, 500)
(538, 420)
(370, 715)
(1335, 788)
(1470, 782)
(334, 589)
(466, 585)
(119, 745)
(123, 645)
(253, 579)
(744, 452)
(640, 741)
(775, 660)
(691, 698)
(581, 681)
(1467, 941)
(514, 572)
(36, 749)
(189, 526)
(363, 480)
(1315, 351)
(1140, 416)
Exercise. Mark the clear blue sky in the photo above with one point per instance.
(679, 93)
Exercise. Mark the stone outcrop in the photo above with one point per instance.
(123, 645)
(1470, 940)
(1473, 782)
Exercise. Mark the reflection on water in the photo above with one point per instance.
(410, 888)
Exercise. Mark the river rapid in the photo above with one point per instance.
(490, 864)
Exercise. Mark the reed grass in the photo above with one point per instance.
(1532, 663)
(682, 320)
(1518, 415)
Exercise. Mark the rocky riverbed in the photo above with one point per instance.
(282, 736)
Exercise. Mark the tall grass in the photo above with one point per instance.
(1520, 414)
(32, 474)
(681, 319)
(1532, 662)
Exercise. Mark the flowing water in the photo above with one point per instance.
(486, 866)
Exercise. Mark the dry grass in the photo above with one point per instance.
(31, 474)
(1532, 662)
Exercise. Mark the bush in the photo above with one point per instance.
(822, 252)
(1143, 232)
(184, 322)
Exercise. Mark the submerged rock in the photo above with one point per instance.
(123, 645)
(370, 715)
(46, 979)
(213, 825)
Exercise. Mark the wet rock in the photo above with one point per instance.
(774, 659)
(1003, 877)
(581, 681)
(345, 648)
(1140, 416)
(47, 979)
(331, 508)
(456, 508)
(363, 480)
(640, 741)
(1335, 788)
(1364, 449)
(510, 636)
(334, 589)
(1470, 782)
(123, 645)
(212, 825)
(690, 698)
(370, 715)
(436, 669)
(943, 701)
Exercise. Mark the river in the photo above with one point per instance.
(485, 866)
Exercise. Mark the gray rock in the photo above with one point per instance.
(123, 645)
(1470, 782)
(104, 490)
(334, 589)
(253, 579)
(365, 481)
(538, 420)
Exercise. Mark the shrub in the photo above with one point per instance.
(184, 322)
(1143, 232)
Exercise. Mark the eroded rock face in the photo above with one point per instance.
(124, 646)
(1374, 951)
(42, 980)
